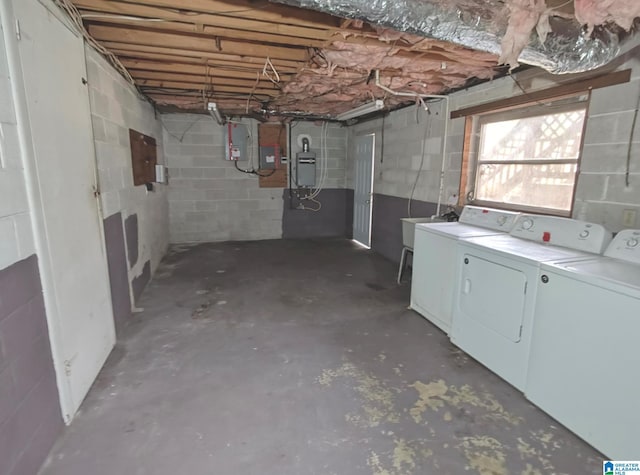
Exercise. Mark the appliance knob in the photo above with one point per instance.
(633, 242)
(544, 278)
(527, 223)
(584, 234)
(502, 220)
(466, 260)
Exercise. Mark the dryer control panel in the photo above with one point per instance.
(563, 232)
(496, 219)
(625, 246)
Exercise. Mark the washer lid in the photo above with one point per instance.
(456, 230)
(524, 249)
(606, 272)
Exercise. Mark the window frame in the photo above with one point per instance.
(473, 138)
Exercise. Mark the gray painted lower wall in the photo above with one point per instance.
(386, 231)
(140, 282)
(118, 275)
(131, 234)
(334, 219)
(30, 419)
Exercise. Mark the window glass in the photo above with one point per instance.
(530, 159)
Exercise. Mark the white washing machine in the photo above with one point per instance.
(434, 258)
(496, 284)
(584, 366)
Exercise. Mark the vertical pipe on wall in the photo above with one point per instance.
(34, 198)
(446, 129)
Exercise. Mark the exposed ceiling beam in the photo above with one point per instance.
(173, 54)
(197, 69)
(216, 88)
(257, 10)
(235, 35)
(201, 19)
(202, 79)
(201, 43)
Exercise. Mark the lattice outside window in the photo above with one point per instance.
(528, 158)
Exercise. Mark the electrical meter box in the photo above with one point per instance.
(235, 141)
(306, 169)
(269, 157)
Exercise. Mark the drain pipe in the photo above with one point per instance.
(446, 130)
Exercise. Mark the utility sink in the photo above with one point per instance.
(409, 228)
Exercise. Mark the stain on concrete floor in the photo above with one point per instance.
(297, 357)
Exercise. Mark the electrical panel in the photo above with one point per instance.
(235, 141)
(269, 157)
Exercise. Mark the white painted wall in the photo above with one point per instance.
(601, 194)
(16, 233)
(115, 108)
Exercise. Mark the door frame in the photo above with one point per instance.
(372, 178)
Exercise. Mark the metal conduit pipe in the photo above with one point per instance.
(446, 130)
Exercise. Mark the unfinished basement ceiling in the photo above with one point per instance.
(250, 56)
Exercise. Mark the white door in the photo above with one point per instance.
(362, 193)
(78, 297)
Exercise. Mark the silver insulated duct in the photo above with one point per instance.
(479, 25)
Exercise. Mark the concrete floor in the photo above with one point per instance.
(300, 357)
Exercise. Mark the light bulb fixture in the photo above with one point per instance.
(364, 109)
(212, 107)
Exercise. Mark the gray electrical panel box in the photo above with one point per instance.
(235, 141)
(306, 169)
(269, 157)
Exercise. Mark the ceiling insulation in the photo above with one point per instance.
(252, 56)
(501, 27)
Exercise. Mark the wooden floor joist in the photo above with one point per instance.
(198, 70)
(195, 87)
(194, 42)
(115, 8)
(174, 54)
(186, 52)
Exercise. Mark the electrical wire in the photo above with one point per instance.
(627, 172)
(323, 161)
(123, 17)
(267, 74)
(252, 170)
(427, 130)
(76, 17)
(181, 138)
(252, 91)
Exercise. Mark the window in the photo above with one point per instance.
(527, 158)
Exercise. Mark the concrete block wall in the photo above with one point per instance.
(30, 418)
(602, 195)
(116, 108)
(336, 149)
(16, 234)
(397, 166)
(602, 192)
(209, 200)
